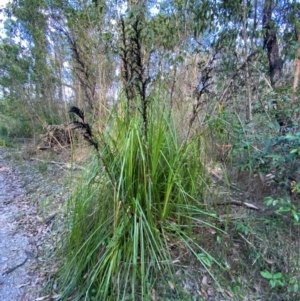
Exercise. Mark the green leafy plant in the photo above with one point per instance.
(205, 259)
(241, 227)
(293, 285)
(275, 279)
(140, 198)
(2, 142)
(285, 205)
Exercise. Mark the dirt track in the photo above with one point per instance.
(17, 280)
(33, 191)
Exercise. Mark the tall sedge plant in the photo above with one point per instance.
(130, 205)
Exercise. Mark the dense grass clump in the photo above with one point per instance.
(139, 197)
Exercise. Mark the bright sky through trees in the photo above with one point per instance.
(3, 2)
(2, 5)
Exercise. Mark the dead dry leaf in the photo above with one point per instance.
(4, 169)
(4, 268)
(171, 285)
(22, 285)
(210, 292)
(204, 293)
(204, 281)
(42, 298)
(269, 261)
(228, 293)
(152, 295)
(55, 296)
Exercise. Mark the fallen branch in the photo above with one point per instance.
(246, 239)
(43, 147)
(238, 203)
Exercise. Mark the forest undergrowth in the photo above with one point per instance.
(190, 111)
(261, 167)
(216, 216)
(168, 218)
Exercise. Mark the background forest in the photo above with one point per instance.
(192, 109)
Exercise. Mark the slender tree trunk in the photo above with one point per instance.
(254, 26)
(297, 69)
(271, 44)
(248, 83)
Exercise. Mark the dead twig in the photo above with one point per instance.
(238, 203)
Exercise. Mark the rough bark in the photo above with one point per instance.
(297, 69)
(271, 44)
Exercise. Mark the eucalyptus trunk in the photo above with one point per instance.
(271, 44)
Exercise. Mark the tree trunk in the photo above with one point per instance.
(248, 80)
(297, 69)
(271, 44)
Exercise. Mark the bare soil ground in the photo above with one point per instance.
(17, 249)
(32, 192)
(17, 281)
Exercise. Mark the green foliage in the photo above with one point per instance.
(15, 67)
(14, 122)
(241, 227)
(293, 285)
(205, 259)
(265, 150)
(275, 279)
(284, 205)
(127, 210)
(18, 120)
(274, 154)
(2, 142)
(150, 188)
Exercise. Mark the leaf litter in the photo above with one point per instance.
(31, 196)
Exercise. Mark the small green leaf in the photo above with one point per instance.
(277, 276)
(273, 283)
(279, 282)
(266, 274)
(205, 259)
(295, 215)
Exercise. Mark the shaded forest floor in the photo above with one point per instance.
(253, 238)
